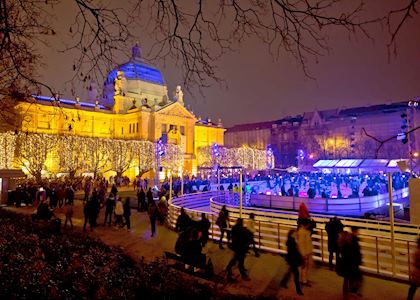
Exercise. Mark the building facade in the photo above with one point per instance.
(134, 105)
(338, 133)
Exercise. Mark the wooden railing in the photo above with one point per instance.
(272, 228)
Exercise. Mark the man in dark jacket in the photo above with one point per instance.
(203, 226)
(141, 200)
(114, 190)
(109, 209)
(294, 259)
(183, 221)
(149, 197)
(333, 228)
(90, 214)
(241, 239)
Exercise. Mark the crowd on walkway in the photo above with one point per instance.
(343, 245)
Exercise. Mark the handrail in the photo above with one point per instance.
(272, 234)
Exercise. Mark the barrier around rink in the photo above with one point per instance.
(272, 228)
(336, 205)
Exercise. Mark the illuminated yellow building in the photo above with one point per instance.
(134, 105)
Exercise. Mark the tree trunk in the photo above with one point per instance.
(38, 177)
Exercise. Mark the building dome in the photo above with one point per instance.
(135, 80)
(136, 69)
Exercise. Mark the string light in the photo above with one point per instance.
(249, 158)
(39, 153)
(7, 150)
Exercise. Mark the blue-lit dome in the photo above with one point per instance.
(136, 69)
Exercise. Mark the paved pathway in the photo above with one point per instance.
(265, 271)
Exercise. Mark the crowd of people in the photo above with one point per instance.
(341, 243)
(194, 234)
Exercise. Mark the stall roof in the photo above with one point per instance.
(326, 163)
(372, 163)
(356, 163)
(348, 163)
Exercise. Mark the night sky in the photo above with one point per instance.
(356, 72)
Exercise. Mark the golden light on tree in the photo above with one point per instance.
(121, 154)
(145, 156)
(173, 159)
(7, 150)
(96, 155)
(34, 150)
(70, 156)
(249, 158)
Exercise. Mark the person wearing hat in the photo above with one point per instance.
(109, 209)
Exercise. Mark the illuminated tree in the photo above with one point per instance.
(249, 158)
(71, 154)
(7, 149)
(173, 159)
(34, 150)
(96, 155)
(145, 156)
(121, 154)
(204, 157)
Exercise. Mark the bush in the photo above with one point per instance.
(36, 264)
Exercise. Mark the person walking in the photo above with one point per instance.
(114, 190)
(304, 243)
(69, 194)
(251, 227)
(152, 212)
(89, 213)
(183, 221)
(333, 229)
(415, 272)
(88, 186)
(127, 213)
(203, 227)
(350, 259)
(223, 223)
(68, 212)
(303, 213)
(295, 260)
(162, 210)
(119, 212)
(241, 239)
(141, 200)
(109, 209)
(149, 196)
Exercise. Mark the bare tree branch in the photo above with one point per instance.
(382, 142)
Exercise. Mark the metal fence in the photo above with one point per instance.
(272, 228)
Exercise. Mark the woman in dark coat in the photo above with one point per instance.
(294, 260)
(152, 212)
(223, 223)
(350, 258)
